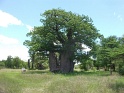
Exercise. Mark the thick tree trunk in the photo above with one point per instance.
(53, 62)
(66, 65)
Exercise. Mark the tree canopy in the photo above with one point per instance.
(63, 33)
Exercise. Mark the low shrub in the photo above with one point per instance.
(121, 70)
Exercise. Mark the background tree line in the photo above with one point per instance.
(13, 62)
(17, 63)
(110, 51)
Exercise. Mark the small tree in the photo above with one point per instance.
(17, 62)
(2, 64)
(9, 62)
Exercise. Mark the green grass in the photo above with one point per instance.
(36, 81)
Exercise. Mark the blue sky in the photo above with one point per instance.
(17, 17)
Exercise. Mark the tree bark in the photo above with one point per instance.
(53, 62)
(29, 63)
(66, 64)
(72, 66)
(33, 59)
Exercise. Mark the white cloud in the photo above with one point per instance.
(7, 19)
(7, 40)
(11, 46)
(14, 50)
(30, 28)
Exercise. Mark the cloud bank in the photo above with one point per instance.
(7, 40)
(11, 46)
(14, 50)
(7, 19)
(30, 28)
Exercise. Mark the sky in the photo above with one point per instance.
(18, 17)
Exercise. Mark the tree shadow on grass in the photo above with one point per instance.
(118, 87)
(87, 73)
(37, 71)
(75, 73)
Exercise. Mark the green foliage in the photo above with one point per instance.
(8, 62)
(42, 64)
(62, 32)
(110, 50)
(14, 63)
(86, 65)
(24, 64)
(77, 66)
(121, 69)
(2, 64)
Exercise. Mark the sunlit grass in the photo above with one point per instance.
(36, 81)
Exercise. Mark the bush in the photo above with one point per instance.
(24, 65)
(84, 67)
(2, 65)
(77, 66)
(121, 70)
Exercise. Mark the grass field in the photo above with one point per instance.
(13, 81)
